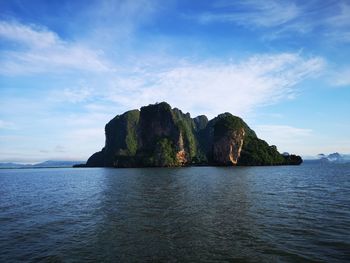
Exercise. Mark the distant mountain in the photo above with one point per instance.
(160, 136)
(13, 165)
(331, 158)
(56, 164)
(46, 164)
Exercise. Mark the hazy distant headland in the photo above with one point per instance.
(45, 164)
(335, 158)
(161, 136)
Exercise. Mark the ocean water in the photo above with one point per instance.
(206, 214)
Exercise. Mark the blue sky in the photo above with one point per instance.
(68, 67)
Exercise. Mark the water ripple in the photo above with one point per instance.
(257, 214)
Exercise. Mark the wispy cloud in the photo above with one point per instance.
(287, 138)
(76, 94)
(280, 18)
(285, 131)
(208, 87)
(342, 16)
(215, 87)
(6, 125)
(106, 65)
(253, 13)
(54, 136)
(59, 148)
(40, 50)
(339, 24)
(340, 78)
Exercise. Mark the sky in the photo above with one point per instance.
(68, 67)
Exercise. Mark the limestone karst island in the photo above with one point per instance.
(161, 136)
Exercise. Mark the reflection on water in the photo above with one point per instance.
(176, 214)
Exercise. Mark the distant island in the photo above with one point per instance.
(46, 164)
(332, 158)
(161, 136)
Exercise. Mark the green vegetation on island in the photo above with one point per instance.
(159, 136)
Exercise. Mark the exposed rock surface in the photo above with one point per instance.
(158, 135)
(227, 148)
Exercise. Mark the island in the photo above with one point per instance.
(158, 135)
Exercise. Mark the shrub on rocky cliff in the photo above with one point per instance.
(161, 136)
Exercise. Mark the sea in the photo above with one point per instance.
(195, 214)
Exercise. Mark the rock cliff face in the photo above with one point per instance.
(227, 149)
(160, 136)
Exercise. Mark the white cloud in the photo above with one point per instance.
(283, 131)
(84, 141)
(59, 148)
(33, 36)
(64, 136)
(330, 20)
(341, 78)
(74, 94)
(210, 88)
(342, 17)
(40, 50)
(6, 125)
(338, 25)
(253, 13)
(215, 87)
(286, 138)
